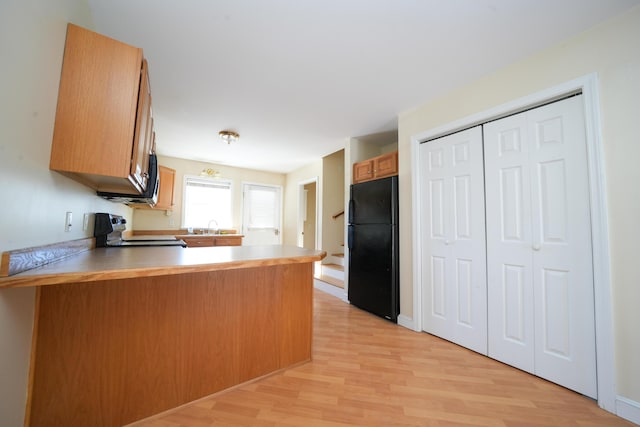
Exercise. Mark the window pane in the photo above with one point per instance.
(263, 204)
(206, 200)
(262, 212)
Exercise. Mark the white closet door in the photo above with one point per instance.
(557, 274)
(454, 259)
(562, 254)
(509, 259)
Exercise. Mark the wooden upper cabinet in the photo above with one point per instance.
(385, 165)
(376, 167)
(362, 171)
(103, 127)
(165, 191)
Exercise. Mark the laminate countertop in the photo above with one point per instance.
(125, 263)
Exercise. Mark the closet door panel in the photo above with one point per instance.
(562, 253)
(509, 266)
(454, 259)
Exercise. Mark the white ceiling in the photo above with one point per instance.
(296, 78)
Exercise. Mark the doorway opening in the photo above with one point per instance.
(308, 217)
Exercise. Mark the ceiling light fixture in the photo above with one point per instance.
(229, 136)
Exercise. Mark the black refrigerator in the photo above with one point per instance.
(373, 247)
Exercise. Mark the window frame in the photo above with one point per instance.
(211, 181)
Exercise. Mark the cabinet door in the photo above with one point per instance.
(165, 193)
(143, 133)
(453, 237)
(362, 171)
(228, 241)
(385, 165)
(199, 241)
(96, 112)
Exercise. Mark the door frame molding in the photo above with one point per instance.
(300, 227)
(588, 86)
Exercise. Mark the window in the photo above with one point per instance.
(204, 200)
(262, 206)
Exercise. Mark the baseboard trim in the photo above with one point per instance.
(407, 322)
(628, 409)
(330, 289)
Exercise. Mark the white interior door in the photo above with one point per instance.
(539, 257)
(453, 238)
(509, 266)
(261, 214)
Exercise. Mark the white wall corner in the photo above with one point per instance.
(628, 409)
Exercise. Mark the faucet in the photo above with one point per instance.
(209, 226)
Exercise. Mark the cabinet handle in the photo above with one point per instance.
(446, 242)
(536, 247)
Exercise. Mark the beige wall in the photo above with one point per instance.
(34, 199)
(333, 203)
(612, 50)
(292, 199)
(309, 240)
(144, 219)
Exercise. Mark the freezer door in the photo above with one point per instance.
(373, 269)
(374, 202)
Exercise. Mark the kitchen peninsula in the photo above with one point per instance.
(121, 334)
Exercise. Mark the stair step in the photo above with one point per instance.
(337, 258)
(332, 281)
(333, 270)
(334, 266)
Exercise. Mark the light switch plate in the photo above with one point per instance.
(67, 221)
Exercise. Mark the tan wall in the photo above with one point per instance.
(34, 199)
(309, 241)
(333, 203)
(611, 50)
(144, 219)
(292, 199)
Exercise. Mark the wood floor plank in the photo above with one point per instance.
(367, 371)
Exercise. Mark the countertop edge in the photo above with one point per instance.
(31, 278)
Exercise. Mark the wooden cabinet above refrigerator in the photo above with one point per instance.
(376, 168)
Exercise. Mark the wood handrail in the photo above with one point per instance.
(338, 214)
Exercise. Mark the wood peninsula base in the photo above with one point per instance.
(112, 352)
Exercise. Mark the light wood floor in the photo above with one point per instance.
(369, 372)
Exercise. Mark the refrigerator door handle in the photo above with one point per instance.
(350, 236)
(351, 208)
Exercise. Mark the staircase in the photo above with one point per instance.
(332, 271)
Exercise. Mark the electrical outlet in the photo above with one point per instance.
(85, 222)
(171, 222)
(67, 221)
